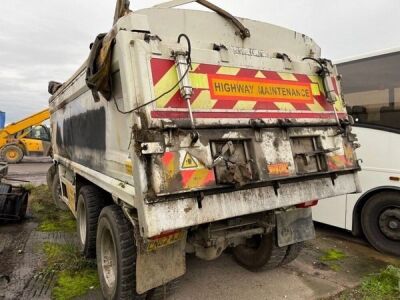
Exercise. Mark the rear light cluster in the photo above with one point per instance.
(307, 204)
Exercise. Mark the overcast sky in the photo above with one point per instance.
(42, 40)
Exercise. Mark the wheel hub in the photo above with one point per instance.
(82, 221)
(389, 223)
(11, 154)
(108, 259)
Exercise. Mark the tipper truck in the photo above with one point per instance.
(193, 132)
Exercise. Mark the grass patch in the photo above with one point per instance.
(384, 285)
(50, 217)
(70, 285)
(333, 255)
(75, 275)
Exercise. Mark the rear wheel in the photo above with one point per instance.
(90, 202)
(56, 193)
(12, 154)
(116, 255)
(380, 220)
(260, 252)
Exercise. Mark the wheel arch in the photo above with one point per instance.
(81, 181)
(356, 226)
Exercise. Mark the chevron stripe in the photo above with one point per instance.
(287, 76)
(203, 101)
(228, 71)
(245, 105)
(165, 76)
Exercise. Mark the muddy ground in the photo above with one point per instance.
(311, 276)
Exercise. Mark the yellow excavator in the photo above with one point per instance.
(26, 137)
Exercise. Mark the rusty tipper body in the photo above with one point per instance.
(208, 132)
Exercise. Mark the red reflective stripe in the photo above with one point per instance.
(186, 175)
(159, 67)
(247, 73)
(207, 69)
(271, 75)
(167, 157)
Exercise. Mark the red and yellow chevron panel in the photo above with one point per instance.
(230, 92)
(183, 171)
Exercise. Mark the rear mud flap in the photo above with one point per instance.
(158, 267)
(294, 226)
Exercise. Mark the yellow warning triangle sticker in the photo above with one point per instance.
(189, 162)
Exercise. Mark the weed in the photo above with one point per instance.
(65, 257)
(384, 285)
(332, 255)
(71, 285)
(50, 218)
(75, 275)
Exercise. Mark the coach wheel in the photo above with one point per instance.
(380, 220)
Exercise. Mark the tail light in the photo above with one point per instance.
(307, 204)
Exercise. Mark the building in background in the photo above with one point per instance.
(2, 119)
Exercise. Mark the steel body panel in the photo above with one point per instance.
(184, 213)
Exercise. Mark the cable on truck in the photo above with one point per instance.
(189, 67)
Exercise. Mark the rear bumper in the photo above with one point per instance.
(171, 215)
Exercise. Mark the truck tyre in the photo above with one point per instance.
(260, 252)
(116, 255)
(90, 203)
(380, 221)
(292, 253)
(56, 193)
(51, 172)
(12, 154)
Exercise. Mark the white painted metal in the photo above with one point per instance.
(379, 154)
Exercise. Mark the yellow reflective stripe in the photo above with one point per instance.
(228, 71)
(260, 75)
(194, 67)
(203, 101)
(287, 76)
(285, 106)
(245, 105)
(197, 178)
(315, 89)
(166, 82)
(317, 80)
(199, 81)
(339, 105)
(315, 106)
